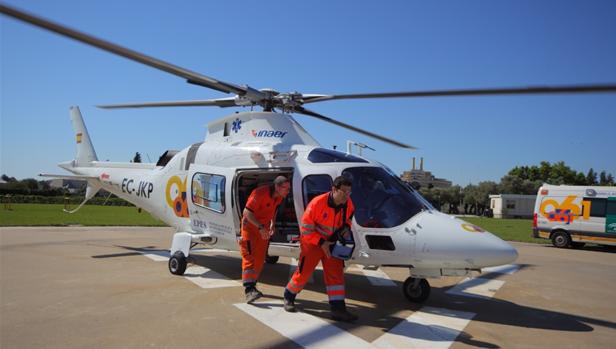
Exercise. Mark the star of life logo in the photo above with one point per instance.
(237, 125)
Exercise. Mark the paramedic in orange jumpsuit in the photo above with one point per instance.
(257, 227)
(323, 216)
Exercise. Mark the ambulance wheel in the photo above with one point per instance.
(177, 263)
(561, 239)
(271, 259)
(416, 294)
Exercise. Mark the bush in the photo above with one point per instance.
(72, 200)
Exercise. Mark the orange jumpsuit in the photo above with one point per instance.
(252, 246)
(319, 222)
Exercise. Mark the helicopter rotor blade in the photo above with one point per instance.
(302, 110)
(190, 76)
(220, 102)
(468, 92)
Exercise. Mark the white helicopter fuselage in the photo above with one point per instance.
(201, 192)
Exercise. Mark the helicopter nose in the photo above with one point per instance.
(492, 251)
(460, 244)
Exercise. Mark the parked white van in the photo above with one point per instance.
(574, 215)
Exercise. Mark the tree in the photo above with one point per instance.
(591, 177)
(8, 179)
(137, 157)
(30, 183)
(602, 178)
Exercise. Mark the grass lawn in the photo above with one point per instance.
(46, 215)
(94, 215)
(507, 229)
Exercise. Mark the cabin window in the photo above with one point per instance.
(208, 190)
(322, 155)
(597, 207)
(315, 185)
(511, 204)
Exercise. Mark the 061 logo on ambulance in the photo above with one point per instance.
(566, 211)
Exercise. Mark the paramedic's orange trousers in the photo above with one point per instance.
(333, 272)
(253, 249)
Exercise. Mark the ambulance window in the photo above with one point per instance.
(208, 190)
(611, 208)
(597, 207)
(315, 185)
(322, 155)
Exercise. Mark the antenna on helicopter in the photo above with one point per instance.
(270, 99)
(359, 146)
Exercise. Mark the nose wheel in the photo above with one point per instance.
(177, 263)
(416, 290)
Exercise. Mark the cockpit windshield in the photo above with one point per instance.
(380, 199)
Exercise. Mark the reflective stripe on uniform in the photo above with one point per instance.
(293, 287)
(249, 275)
(336, 298)
(335, 288)
(322, 231)
(326, 228)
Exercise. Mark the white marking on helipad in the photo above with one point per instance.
(503, 269)
(157, 256)
(376, 277)
(427, 328)
(207, 278)
(304, 329)
(201, 276)
(477, 287)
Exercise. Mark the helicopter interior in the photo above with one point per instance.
(286, 226)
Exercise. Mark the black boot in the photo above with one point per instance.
(252, 294)
(289, 301)
(340, 313)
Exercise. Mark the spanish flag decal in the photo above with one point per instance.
(79, 137)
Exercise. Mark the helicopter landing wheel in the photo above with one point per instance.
(271, 259)
(177, 263)
(416, 290)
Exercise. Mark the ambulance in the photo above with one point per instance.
(571, 216)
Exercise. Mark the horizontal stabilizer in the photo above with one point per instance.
(67, 176)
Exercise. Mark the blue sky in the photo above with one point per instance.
(330, 47)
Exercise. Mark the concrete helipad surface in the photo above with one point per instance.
(110, 287)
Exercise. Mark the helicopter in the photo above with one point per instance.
(202, 189)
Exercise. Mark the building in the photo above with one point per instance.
(424, 179)
(512, 205)
(72, 185)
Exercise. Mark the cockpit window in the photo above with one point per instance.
(314, 185)
(380, 198)
(322, 155)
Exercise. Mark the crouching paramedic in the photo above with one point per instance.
(257, 227)
(325, 216)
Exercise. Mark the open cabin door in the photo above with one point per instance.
(211, 203)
